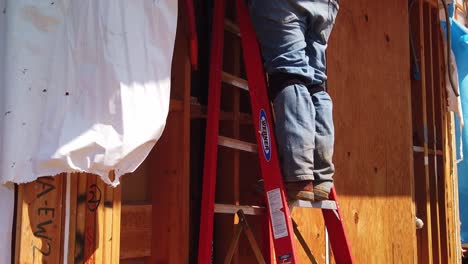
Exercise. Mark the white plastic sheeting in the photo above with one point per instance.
(85, 86)
(6, 192)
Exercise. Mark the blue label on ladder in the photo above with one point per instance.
(285, 258)
(265, 135)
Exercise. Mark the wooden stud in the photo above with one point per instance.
(136, 231)
(39, 225)
(431, 131)
(19, 221)
(426, 184)
(439, 109)
(168, 166)
(93, 195)
(116, 222)
(176, 105)
(100, 223)
(73, 178)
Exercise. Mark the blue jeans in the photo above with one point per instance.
(293, 36)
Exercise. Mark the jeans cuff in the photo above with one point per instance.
(297, 178)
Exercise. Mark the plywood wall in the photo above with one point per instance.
(369, 80)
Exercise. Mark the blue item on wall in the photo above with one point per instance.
(460, 49)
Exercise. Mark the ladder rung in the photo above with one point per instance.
(231, 27)
(235, 81)
(327, 204)
(237, 144)
(232, 209)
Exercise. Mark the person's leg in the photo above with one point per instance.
(280, 29)
(322, 15)
(324, 143)
(294, 127)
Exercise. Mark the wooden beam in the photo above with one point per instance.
(169, 165)
(176, 105)
(431, 130)
(93, 199)
(136, 231)
(94, 220)
(439, 111)
(72, 226)
(426, 184)
(39, 221)
(115, 212)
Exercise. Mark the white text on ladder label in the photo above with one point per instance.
(278, 219)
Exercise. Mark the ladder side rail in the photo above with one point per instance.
(337, 234)
(211, 138)
(269, 163)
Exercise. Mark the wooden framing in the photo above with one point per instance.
(93, 212)
(155, 202)
(40, 216)
(384, 183)
(136, 231)
(394, 160)
(420, 126)
(435, 204)
(368, 70)
(95, 224)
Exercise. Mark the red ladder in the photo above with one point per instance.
(277, 206)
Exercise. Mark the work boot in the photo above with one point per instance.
(300, 190)
(303, 190)
(322, 190)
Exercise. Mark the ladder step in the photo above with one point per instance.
(237, 144)
(327, 204)
(235, 81)
(259, 210)
(232, 209)
(231, 27)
